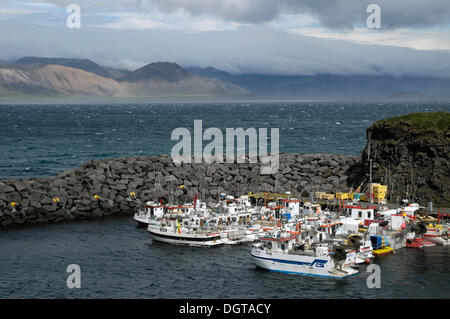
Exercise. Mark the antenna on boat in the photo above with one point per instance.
(369, 137)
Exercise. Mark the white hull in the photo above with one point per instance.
(197, 240)
(299, 264)
(141, 220)
(438, 240)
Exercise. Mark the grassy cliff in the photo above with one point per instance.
(439, 121)
(411, 153)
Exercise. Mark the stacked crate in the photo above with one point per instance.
(379, 193)
(342, 196)
(318, 195)
(328, 196)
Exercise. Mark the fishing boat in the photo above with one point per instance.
(281, 252)
(152, 211)
(238, 235)
(364, 253)
(437, 234)
(418, 242)
(186, 231)
(437, 231)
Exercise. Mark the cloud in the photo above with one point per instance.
(334, 14)
(175, 21)
(419, 39)
(257, 49)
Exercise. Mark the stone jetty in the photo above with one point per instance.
(100, 187)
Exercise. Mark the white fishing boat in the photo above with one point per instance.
(236, 235)
(188, 231)
(151, 212)
(364, 254)
(437, 234)
(359, 252)
(281, 252)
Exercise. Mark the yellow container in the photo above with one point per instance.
(342, 196)
(379, 188)
(328, 196)
(363, 198)
(318, 195)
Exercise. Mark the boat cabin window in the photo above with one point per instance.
(360, 214)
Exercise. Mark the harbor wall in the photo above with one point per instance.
(157, 177)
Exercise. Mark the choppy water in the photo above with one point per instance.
(118, 260)
(42, 140)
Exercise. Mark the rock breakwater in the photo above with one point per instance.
(70, 194)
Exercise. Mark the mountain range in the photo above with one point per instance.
(56, 77)
(59, 77)
(330, 86)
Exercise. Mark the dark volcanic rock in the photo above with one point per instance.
(411, 158)
(154, 178)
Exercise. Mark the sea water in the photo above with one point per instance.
(118, 260)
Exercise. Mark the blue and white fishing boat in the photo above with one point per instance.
(281, 252)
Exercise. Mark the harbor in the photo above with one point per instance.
(294, 236)
(118, 260)
(223, 230)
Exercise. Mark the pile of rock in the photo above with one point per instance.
(70, 195)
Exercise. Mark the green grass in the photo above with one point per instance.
(425, 120)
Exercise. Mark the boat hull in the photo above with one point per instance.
(299, 265)
(438, 240)
(186, 240)
(141, 220)
(419, 243)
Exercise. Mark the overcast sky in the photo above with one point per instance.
(262, 36)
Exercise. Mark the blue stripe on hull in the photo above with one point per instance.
(305, 274)
(294, 262)
(294, 272)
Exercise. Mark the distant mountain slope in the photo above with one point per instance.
(164, 78)
(56, 80)
(329, 86)
(159, 71)
(82, 64)
(117, 73)
(154, 80)
(211, 73)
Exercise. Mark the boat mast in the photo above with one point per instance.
(369, 135)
